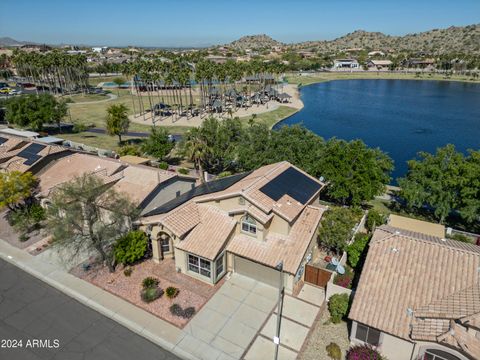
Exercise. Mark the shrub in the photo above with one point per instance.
(363, 352)
(163, 165)
(27, 218)
(224, 174)
(183, 171)
(150, 294)
(128, 271)
(131, 247)
(356, 249)
(460, 237)
(333, 351)
(374, 218)
(338, 307)
(189, 312)
(129, 149)
(171, 292)
(344, 280)
(177, 310)
(23, 237)
(78, 127)
(150, 282)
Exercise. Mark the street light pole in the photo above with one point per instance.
(276, 339)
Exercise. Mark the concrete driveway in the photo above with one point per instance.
(227, 325)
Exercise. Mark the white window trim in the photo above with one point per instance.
(380, 338)
(198, 265)
(249, 225)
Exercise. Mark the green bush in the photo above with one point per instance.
(460, 237)
(374, 219)
(78, 127)
(150, 294)
(183, 171)
(163, 165)
(333, 351)
(128, 271)
(224, 174)
(27, 218)
(344, 280)
(131, 247)
(171, 292)
(129, 149)
(356, 249)
(338, 307)
(149, 282)
(23, 237)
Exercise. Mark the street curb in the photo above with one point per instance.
(120, 319)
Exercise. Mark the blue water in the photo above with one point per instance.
(401, 117)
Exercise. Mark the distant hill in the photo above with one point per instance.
(438, 41)
(8, 41)
(254, 42)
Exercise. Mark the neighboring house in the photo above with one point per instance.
(376, 53)
(418, 297)
(22, 154)
(246, 223)
(147, 187)
(345, 64)
(379, 64)
(415, 225)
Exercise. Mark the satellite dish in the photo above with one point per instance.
(335, 261)
(340, 269)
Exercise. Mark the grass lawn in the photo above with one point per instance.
(97, 80)
(321, 77)
(272, 117)
(101, 141)
(87, 97)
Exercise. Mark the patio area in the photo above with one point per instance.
(192, 292)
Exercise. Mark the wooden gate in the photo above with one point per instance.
(317, 276)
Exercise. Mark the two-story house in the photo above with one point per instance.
(246, 223)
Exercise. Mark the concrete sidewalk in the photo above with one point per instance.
(137, 320)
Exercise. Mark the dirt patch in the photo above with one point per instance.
(192, 292)
(322, 335)
(9, 234)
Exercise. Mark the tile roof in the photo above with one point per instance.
(210, 235)
(291, 249)
(135, 181)
(183, 219)
(249, 187)
(412, 284)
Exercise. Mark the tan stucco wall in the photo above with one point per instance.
(181, 263)
(421, 346)
(395, 348)
(279, 225)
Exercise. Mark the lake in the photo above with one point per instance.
(401, 117)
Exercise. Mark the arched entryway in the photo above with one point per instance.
(162, 246)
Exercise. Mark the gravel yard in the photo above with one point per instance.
(321, 336)
(192, 292)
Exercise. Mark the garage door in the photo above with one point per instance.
(256, 271)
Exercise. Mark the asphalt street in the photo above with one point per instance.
(39, 322)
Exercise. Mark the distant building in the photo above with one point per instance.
(345, 64)
(419, 63)
(217, 59)
(376, 53)
(99, 49)
(35, 48)
(379, 64)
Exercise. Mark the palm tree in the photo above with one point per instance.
(195, 148)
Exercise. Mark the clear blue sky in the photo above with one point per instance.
(206, 22)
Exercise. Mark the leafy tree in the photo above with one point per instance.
(84, 215)
(355, 173)
(131, 247)
(338, 307)
(435, 180)
(119, 81)
(336, 228)
(374, 219)
(469, 189)
(158, 143)
(35, 110)
(356, 250)
(117, 120)
(16, 188)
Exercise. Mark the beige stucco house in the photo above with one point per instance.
(418, 297)
(246, 223)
